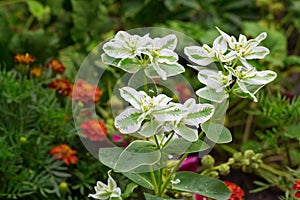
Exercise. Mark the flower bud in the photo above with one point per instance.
(254, 165)
(246, 162)
(231, 161)
(238, 156)
(208, 161)
(224, 169)
(63, 188)
(249, 154)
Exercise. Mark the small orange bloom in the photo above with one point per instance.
(62, 86)
(86, 92)
(25, 59)
(56, 66)
(95, 130)
(35, 71)
(296, 187)
(237, 192)
(65, 153)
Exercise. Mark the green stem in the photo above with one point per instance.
(28, 23)
(154, 181)
(169, 139)
(169, 177)
(275, 171)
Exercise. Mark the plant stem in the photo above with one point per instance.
(275, 171)
(169, 177)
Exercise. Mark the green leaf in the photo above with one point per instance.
(152, 197)
(142, 179)
(187, 133)
(211, 94)
(293, 131)
(169, 69)
(36, 8)
(180, 146)
(137, 154)
(150, 128)
(216, 132)
(203, 185)
(129, 190)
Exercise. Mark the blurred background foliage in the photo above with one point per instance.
(68, 30)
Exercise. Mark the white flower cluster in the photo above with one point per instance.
(133, 52)
(110, 191)
(238, 76)
(151, 115)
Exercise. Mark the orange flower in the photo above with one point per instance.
(86, 92)
(62, 86)
(237, 192)
(56, 66)
(296, 187)
(35, 71)
(95, 130)
(65, 153)
(24, 58)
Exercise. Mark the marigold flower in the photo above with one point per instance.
(62, 86)
(86, 92)
(237, 192)
(35, 71)
(65, 153)
(24, 58)
(296, 187)
(95, 130)
(56, 66)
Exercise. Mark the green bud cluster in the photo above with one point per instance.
(247, 161)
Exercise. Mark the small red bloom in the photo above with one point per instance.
(199, 197)
(65, 153)
(95, 130)
(86, 92)
(237, 192)
(25, 59)
(56, 66)
(62, 86)
(296, 186)
(189, 164)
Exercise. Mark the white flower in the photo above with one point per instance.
(246, 49)
(133, 53)
(249, 81)
(143, 106)
(110, 191)
(216, 83)
(206, 55)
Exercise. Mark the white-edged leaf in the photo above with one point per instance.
(110, 60)
(132, 96)
(129, 65)
(258, 53)
(169, 69)
(216, 132)
(161, 100)
(167, 42)
(210, 78)
(261, 77)
(199, 113)
(198, 55)
(169, 113)
(167, 56)
(129, 121)
(220, 44)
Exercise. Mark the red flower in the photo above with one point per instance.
(62, 86)
(95, 130)
(86, 92)
(25, 59)
(296, 186)
(56, 66)
(237, 192)
(65, 153)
